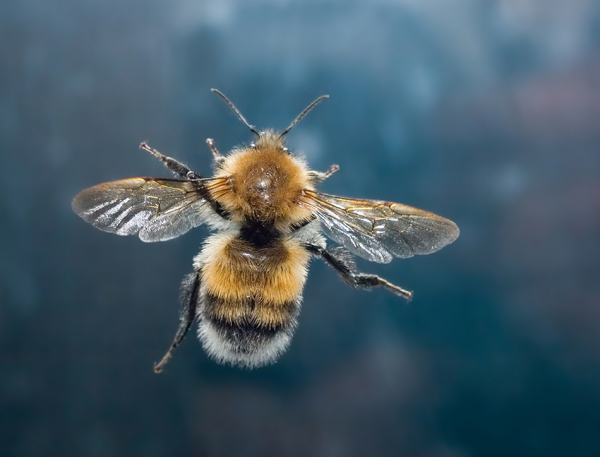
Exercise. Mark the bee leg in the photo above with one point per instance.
(175, 166)
(216, 154)
(340, 260)
(319, 176)
(190, 288)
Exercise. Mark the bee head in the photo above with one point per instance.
(270, 139)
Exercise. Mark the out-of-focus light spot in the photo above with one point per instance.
(395, 137)
(308, 143)
(192, 13)
(509, 182)
(423, 87)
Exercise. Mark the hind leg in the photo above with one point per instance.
(190, 288)
(340, 261)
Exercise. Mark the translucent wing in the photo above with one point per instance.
(376, 230)
(159, 209)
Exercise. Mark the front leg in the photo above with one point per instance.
(215, 152)
(190, 289)
(339, 259)
(320, 176)
(175, 166)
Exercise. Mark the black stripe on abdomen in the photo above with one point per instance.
(246, 334)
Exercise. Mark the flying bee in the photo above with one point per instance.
(246, 288)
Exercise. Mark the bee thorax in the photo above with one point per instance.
(265, 184)
(264, 189)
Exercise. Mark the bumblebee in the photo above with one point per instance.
(246, 288)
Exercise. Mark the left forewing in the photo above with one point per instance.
(376, 230)
(159, 209)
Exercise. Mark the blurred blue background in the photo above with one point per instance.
(486, 112)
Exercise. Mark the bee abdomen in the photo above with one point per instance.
(248, 333)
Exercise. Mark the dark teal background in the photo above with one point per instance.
(485, 112)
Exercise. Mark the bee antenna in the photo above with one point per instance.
(303, 113)
(236, 111)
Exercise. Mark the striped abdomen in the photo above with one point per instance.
(250, 297)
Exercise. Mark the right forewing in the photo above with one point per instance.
(376, 230)
(159, 209)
